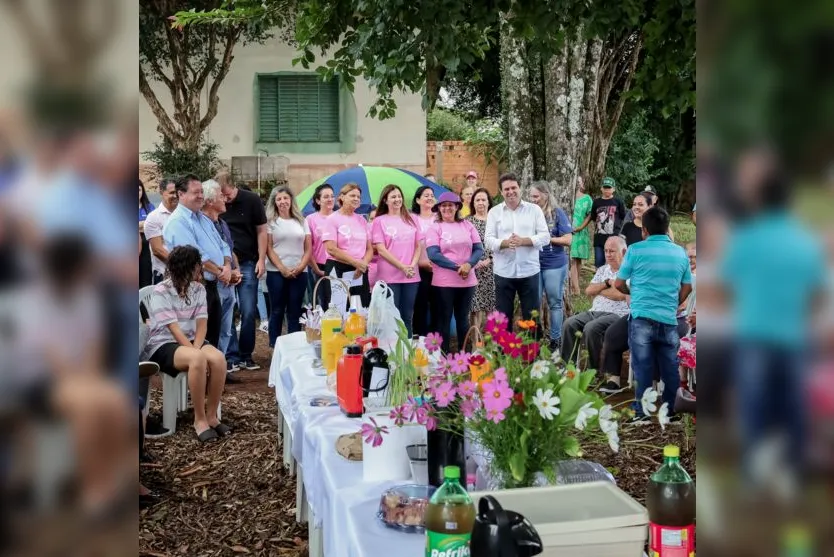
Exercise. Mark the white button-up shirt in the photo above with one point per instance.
(153, 227)
(526, 221)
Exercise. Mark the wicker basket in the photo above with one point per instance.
(315, 334)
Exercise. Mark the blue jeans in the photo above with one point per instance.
(263, 314)
(654, 344)
(599, 256)
(247, 296)
(286, 296)
(227, 306)
(404, 295)
(553, 284)
(770, 385)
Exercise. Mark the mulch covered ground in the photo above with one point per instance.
(233, 497)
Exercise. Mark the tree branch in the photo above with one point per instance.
(213, 99)
(166, 125)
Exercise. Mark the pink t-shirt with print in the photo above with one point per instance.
(316, 224)
(455, 240)
(349, 232)
(424, 225)
(399, 239)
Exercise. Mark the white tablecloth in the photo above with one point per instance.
(344, 505)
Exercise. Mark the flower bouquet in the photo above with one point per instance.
(526, 408)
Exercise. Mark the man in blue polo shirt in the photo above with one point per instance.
(187, 225)
(659, 281)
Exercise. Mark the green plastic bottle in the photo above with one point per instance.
(449, 518)
(671, 504)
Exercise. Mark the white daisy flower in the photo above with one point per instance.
(582, 416)
(648, 401)
(614, 441)
(663, 416)
(539, 369)
(547, 404)
(606, 419)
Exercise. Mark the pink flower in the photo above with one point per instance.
(499, 319)
(444, 366)
(510, 343)
(373, 433)
(435, 380)
(492, 328)
(398, 415)
(500, 374)
(421, 414)
(433, 342)
(460, 363)
(410, 408)
(467, 389)
(444, 394)
(495, 415)
(497, 395)
(469, 406)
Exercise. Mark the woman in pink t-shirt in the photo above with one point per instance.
(424, 217)
(396, 238)
(323, 202)
(348, 242)
(454, 247)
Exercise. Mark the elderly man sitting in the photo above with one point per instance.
(608, 306)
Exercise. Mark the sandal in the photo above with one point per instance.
(207, 435)
(222, 430)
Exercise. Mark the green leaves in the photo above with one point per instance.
(571, 446)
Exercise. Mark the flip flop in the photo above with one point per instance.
(207, 435)
(222, 430)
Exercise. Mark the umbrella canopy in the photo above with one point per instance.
(372, 180)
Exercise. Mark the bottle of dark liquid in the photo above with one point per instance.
(671, 504)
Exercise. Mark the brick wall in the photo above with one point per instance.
(451, 160)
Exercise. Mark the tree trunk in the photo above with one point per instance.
(515, 93)
(568, 86)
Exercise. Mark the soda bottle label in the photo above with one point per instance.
(671, 541)
(447, 545)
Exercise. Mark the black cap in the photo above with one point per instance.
(353, 349)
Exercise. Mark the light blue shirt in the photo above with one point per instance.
(657, 268)
(186, 227)
(772, 267)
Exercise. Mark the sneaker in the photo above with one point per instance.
(640, 419)
(153, 428)
(555, 346)
(611, 388)
(250, 365)
(264, 328)
(232, 366)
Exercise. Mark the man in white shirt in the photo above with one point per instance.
(155, 223)
(515, 233)
(609, 305)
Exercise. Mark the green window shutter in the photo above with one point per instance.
(298, 108)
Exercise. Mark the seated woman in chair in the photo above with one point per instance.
(177, 342)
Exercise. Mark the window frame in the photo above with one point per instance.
(347, 123)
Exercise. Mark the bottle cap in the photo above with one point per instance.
(451, 472)
(337, 329)
(353, 310)
(671, 451)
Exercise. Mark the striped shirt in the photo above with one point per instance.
(167, 307)
(657, 268)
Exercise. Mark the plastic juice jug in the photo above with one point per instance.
(336, 346)
(671, 503)
(349, 382)
(329, 321)
(449, 517)
(354, 325)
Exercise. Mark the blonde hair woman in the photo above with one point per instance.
(346, 237)
(288, 251)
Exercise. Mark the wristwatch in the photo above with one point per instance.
(608, 283)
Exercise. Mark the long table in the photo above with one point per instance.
(339, 507)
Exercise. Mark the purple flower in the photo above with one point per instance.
(433, 342)
(410, 408)
(500, 374)
(421, 414)
(435, 380)
(467, 389)
(495, 415)
(398, 415)
(460, 363)
(373, 433)
(431, 421)
(497, 396)
(444, 366)
(444, 394)
(469, 406)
